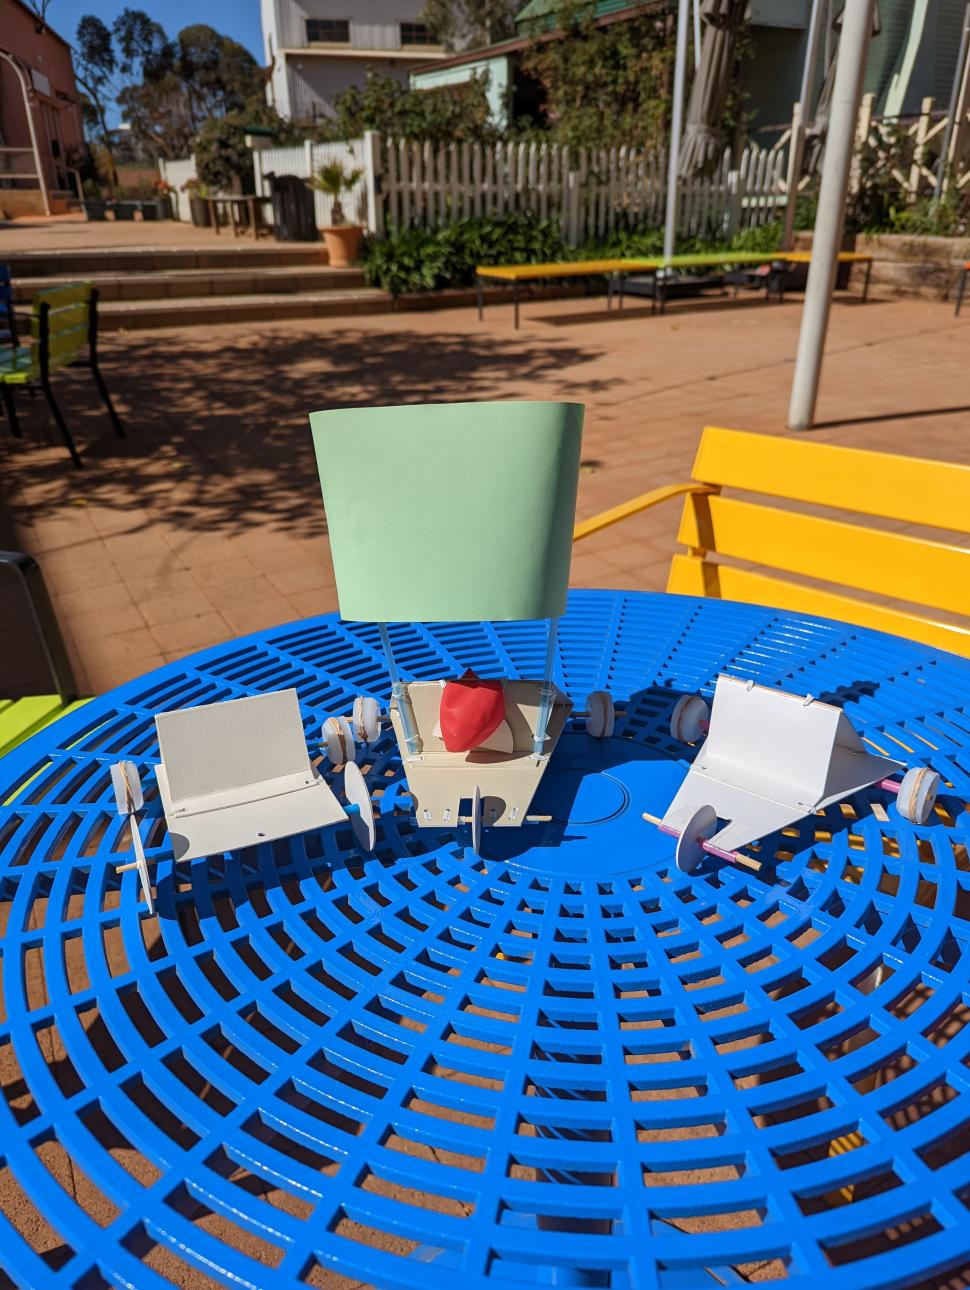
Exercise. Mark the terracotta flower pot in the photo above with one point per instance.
(343, 243)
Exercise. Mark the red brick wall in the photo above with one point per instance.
(57, 117)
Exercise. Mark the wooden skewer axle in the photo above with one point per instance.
(702, 842)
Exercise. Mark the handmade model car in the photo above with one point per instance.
(769, 759)
(475, 523)
(234, 774)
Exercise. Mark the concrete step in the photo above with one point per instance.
(180, 283)
(86, 261)
(253, 307)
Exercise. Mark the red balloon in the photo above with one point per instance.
(471, 710)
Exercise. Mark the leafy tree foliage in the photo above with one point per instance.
(448, 114)
(167, 89)
(469, 24)
(221, 155)
(605, 85)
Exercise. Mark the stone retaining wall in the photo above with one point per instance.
(906, 266)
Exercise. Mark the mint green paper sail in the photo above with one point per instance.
(450, 511)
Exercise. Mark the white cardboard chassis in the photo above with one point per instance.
(770, 759)
(440, 780)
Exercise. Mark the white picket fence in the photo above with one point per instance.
(592, 191)
(305, 160)
(176, 174)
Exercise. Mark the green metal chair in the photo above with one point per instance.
(63, 324)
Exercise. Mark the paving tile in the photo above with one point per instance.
(209, 514)
(256, 615)
(158, 609)
(187, 634)
(321, 600)
(249, 591)
(233, 569)
(95, 625)
(104, 601)
(303, 577)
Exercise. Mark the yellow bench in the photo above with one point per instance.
(929, 575)
(616, 269)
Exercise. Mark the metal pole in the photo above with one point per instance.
(958, 78)
(400, 694)
(28, 108)
(839, 149)
(676, 128)
(811, 58)
(697, 34)
(547, 693)
(801, 120)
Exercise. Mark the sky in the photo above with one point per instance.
(236, 18)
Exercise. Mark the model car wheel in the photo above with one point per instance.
(600, 714)
(701, 826)
(917, 794)
(362, 823)
(477, 812)
(366, 719)
(338, 740)
(690, 718)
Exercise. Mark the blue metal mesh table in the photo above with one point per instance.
(560, 1063)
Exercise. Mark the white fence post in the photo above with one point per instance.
(732, 206)
(571, 234)
(373, 174)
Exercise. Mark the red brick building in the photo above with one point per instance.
(40, 114)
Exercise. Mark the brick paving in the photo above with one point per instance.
(74, 233)
(206, 522)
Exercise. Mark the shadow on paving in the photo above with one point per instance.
(218, 438)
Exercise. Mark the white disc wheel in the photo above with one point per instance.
(690, 845)
(917, 794)
(362, 822)
(690, 718)
(477, 811)
(366, 718)
(600, 714)
(338, 739)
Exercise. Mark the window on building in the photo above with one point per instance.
(332, 31)
(416, 33)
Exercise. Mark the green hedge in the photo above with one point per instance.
(428, 259)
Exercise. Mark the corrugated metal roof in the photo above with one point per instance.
(536, 9)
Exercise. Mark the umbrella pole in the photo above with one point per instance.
(959, 77)
(676, 128)
(411, 741)
(697, 34)
(839, 149)
(801, 120)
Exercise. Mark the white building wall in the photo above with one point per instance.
(497, 75)
(374, 24)
(314, 81)
(304, 85)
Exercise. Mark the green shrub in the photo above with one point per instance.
(927, 217)
(763, 239)
(427, 259)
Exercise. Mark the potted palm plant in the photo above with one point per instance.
(342, 239)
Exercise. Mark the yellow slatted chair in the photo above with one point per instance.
(63, 331)
(717, 529)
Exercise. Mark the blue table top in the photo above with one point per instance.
(560, 1063)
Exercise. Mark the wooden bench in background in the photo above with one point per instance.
(725, 535)
(615, 270)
